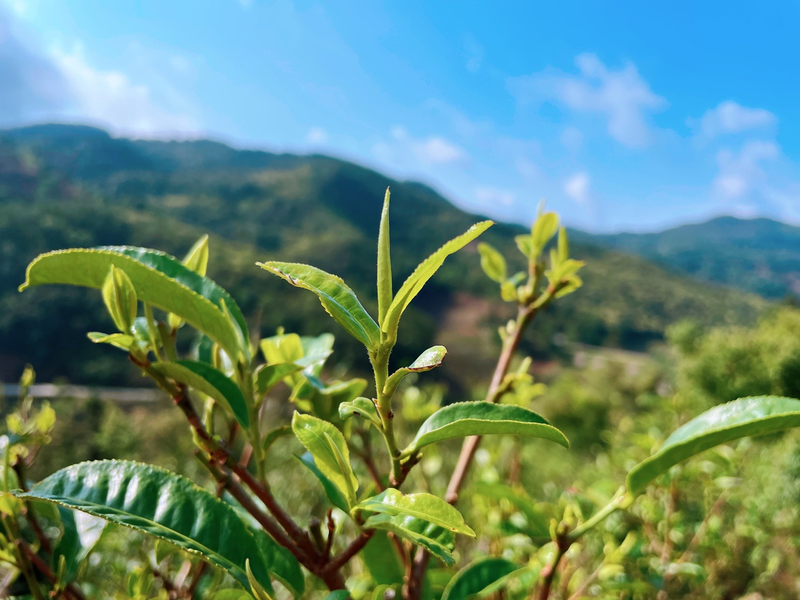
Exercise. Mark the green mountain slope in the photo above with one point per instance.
(76, 186)
(759, 255)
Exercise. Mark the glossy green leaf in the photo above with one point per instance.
(426, 269)
(423, 506)
(543, 231)
(436, 540)
(159, 279)
(336, 297)
(483, 418)
(81, 532)
(476, 577)
(384, 262)
(360, 407)
(205, 378)
(162, 504)
(492, 262)
(538, 523)
(282, 348)
(267, 376)
(329, 449)
(334, 494)
(338, 595)
(724, 423)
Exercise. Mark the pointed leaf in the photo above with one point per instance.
(382, 560)
(384, 262)
(162, 504)
(426, 269)
(543, 231)
(474, 578)
(724, 423)
(525, 244)
(336, 297)
(159, 279)
(197, 258)
(361, 407)
(334, 494)
(205, 378)
(329, 449)
(423, 506)
(434, 539)
(430, 359)
(283, 348)
(492, 262)
(118, 340)
(483, 418)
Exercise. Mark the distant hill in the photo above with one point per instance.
(757, 255)
(63, 186)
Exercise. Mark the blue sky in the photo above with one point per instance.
(624, 116)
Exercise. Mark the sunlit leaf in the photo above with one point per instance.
(361, 407)
(337, 497)
(492, 262)
(329, 449)
(384, 262)
(719, 425)
(436, 540)
(543, 231)
(336, 297)
(483, 418)
(421, 505)
(426, 269)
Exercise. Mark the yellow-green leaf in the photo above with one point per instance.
(492, 262)
(421, 505)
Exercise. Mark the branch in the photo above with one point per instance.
(338, 561)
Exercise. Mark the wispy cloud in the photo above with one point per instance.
(730, 118)
(577, 188)
(317, 136)
(621, 96)
(111, 99)
(740, 173)
(490, 196)
(407, 150)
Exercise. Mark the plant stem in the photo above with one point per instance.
(549, 573)
(380, 367)
(622, 500)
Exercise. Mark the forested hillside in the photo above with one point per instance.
(64, 186)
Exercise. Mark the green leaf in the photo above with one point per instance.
(81, 533)
(338, 595)
(362, 407)
(476, 577)
(334, 494)
(426, 269)
(280, 562)
(274, 435)
(492, 262)
(424, 506)
(336, 297)
(384, 262)
(267, 376)
(283, 348)
(436, 540)
(118, 340)
(724, 423)
(197, 258)
(120, 299)
(329, 449)
(162, 504)
(483, 418)
(525, 244)
(543, 231)
(382, 561)
(538, 523)
(430, 359)
(205, 378)
(159, 279)
(563, 245)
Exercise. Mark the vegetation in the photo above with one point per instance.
(602, 529)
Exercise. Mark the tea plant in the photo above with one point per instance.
(223, 389)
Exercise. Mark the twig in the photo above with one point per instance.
(338, 561)
(70, 589)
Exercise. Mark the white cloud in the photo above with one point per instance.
(577, 188)
(730, 117)
(491, 196)
(438, 150)
(743, 173)
(111, 99)
(621, 96)
(317, 136)
(406, 150)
